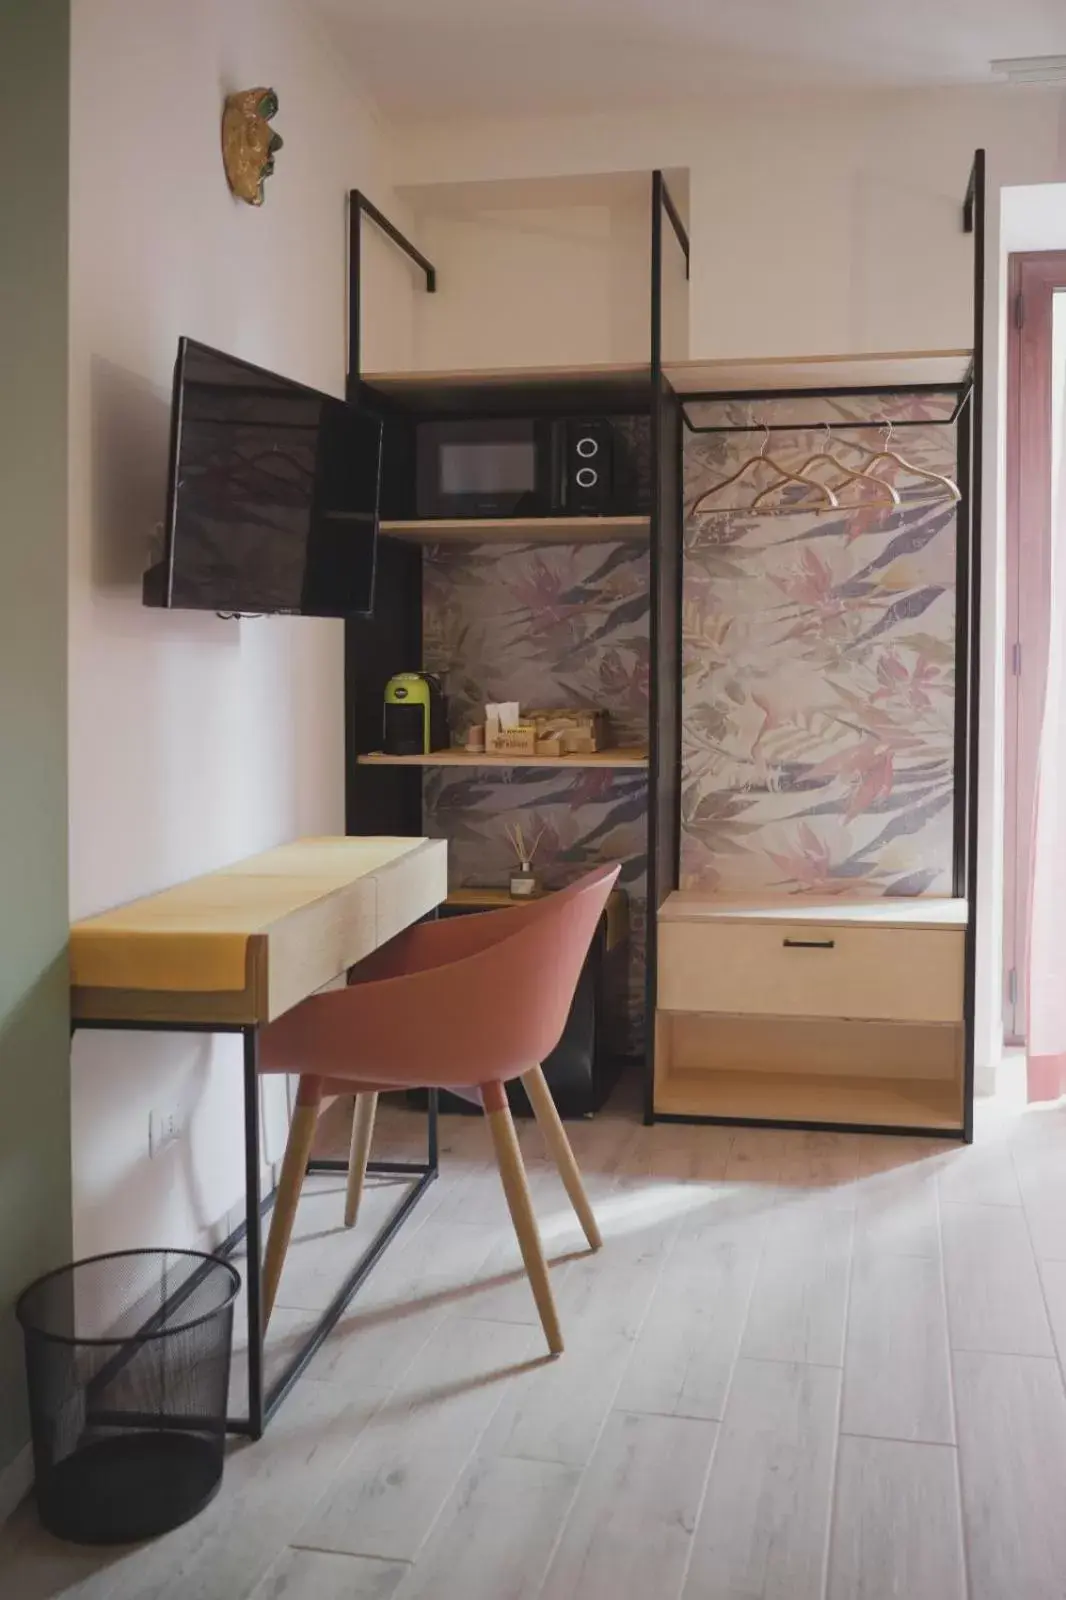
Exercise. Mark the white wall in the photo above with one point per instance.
(574, 254)
(1033, 217)
(562, 255)
(825, 224)
(193, 741)
(1058, 413)
(818, 222)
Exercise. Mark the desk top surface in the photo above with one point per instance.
(197, 935)
(251, 894)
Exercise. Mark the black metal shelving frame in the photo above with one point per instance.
(393, 637)
(398, 632)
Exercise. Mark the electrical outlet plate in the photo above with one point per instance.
(164, 1128)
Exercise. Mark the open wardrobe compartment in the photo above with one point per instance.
(776, 608)
(815, 964)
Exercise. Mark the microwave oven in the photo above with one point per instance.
(519, 467)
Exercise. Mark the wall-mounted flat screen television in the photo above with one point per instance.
(272, 504)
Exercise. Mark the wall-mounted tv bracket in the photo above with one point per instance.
(358, 207)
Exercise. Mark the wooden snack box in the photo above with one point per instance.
(563, 732)
(570, 732)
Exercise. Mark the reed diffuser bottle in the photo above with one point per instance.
(523, 883)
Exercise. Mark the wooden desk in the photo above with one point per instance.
(229, 952)
(246, 943)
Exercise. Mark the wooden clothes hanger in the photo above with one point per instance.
(891, 497)
(783, 476)
(886, 454)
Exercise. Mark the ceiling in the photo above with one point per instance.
(430, 58)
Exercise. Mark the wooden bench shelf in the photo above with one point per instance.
(840, 1013)
(906, 1103)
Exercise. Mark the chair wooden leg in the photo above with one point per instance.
(516, 1190)
(550, 1124)
(366, 1106)
(293, 1168)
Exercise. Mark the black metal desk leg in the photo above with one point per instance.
(253, 1240)
(433, 1151)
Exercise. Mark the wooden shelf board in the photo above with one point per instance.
(887, 911)
(467, 758)
(520, 530)
(891, 368)
(494, 391)
(787, 1097)
(402, 383)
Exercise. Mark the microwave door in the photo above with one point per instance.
(489, 473)
(485, 468)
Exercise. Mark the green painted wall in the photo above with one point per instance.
(34, 1047)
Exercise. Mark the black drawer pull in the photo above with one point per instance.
(809, 944)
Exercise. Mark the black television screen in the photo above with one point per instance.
(272, 503)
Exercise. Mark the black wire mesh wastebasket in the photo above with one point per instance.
(127, 1362)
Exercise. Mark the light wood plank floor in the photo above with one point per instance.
(804, 1367)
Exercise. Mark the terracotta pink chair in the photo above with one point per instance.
(467, 1002)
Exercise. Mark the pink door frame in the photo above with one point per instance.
(1034, 278)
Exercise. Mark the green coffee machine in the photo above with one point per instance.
(416, 715)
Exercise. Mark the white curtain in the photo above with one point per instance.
(1046, 1040)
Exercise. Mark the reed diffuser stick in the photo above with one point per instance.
(524, 852)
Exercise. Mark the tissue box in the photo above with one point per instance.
(520, 741)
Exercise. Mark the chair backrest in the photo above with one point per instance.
(527, 979)
(493, 1005)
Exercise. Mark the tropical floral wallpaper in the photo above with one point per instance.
(818, 668)
(546, 626)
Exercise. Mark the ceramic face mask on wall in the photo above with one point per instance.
(249, 144)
